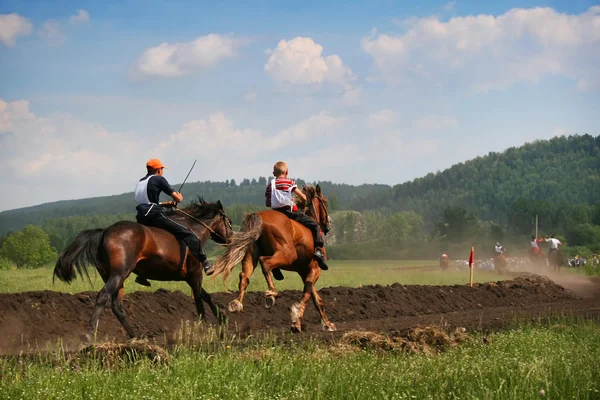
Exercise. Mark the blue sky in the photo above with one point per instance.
(354, 92)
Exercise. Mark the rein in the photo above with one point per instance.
(203, 223)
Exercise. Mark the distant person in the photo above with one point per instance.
(151, 212)
(498, 249)
(444, 260)
(278, 196)
(535, 248)
(555, 244)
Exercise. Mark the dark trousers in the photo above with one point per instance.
(307, 222)
(181, 232)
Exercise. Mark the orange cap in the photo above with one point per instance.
(155, 164)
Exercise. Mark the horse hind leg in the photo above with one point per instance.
(104, 297)
(117, 308)
(281, 258)
(248, 265)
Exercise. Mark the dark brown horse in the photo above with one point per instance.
(274, 240)
(556, 259)
(127, 247)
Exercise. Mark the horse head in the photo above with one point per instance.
(212, 216)
(316, 207)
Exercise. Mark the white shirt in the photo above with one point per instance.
(499, 249)
(534, 244)
(554, 243)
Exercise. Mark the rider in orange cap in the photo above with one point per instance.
(151, 212)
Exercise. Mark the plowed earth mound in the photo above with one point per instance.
(35, 319)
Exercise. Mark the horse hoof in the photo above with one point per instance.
(329, 327)
(235, 306)
(269, 301)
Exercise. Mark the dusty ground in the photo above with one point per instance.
(35, 319)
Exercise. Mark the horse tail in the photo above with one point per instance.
(84, 250)
(240, 243)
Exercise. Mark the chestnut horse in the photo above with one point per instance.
(499, 262)
(277, 242)
(127, 247)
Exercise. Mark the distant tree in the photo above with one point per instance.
(262, 181)
(496, 232)
(253, 182)
(457, 223)
(232, 183)
(245, 182)
(334, 202)
(28, 248)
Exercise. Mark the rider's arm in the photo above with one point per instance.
(178, 197)
(299, 193)
(168, 190)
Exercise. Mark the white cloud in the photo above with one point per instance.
(36, 149)
(52, 32)
(491, 53)
(351, 97)
(82, 17)
(316, 126)
(382, 119)
(170, 60)
(300, 62)
(216, 135)
(13, 111)
(13, 26)
(435, 123)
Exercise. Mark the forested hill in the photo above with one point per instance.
(563, 170)
(560, 171)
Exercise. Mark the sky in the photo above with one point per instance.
(350, 92)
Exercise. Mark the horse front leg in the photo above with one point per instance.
(297, 310)
(248, 265)
(194, 279)
(319, 305)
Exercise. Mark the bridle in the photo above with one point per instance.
(323, 207)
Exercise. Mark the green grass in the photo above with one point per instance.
(340, 273)
(560, 359)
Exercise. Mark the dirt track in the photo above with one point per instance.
(38, 318)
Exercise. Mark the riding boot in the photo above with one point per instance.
(320, 257)
(195, 247)
(142, 281)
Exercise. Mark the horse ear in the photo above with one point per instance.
(220, 205)
(318, 190)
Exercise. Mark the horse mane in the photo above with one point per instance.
(201, 209)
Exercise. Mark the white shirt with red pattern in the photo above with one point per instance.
(279, 193)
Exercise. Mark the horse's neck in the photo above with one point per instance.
(197, 227)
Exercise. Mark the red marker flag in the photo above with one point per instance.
(471, 261)
(472, 257)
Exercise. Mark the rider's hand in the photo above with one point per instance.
(171, 203)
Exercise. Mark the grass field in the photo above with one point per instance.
(340, 273)
(558, 360)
